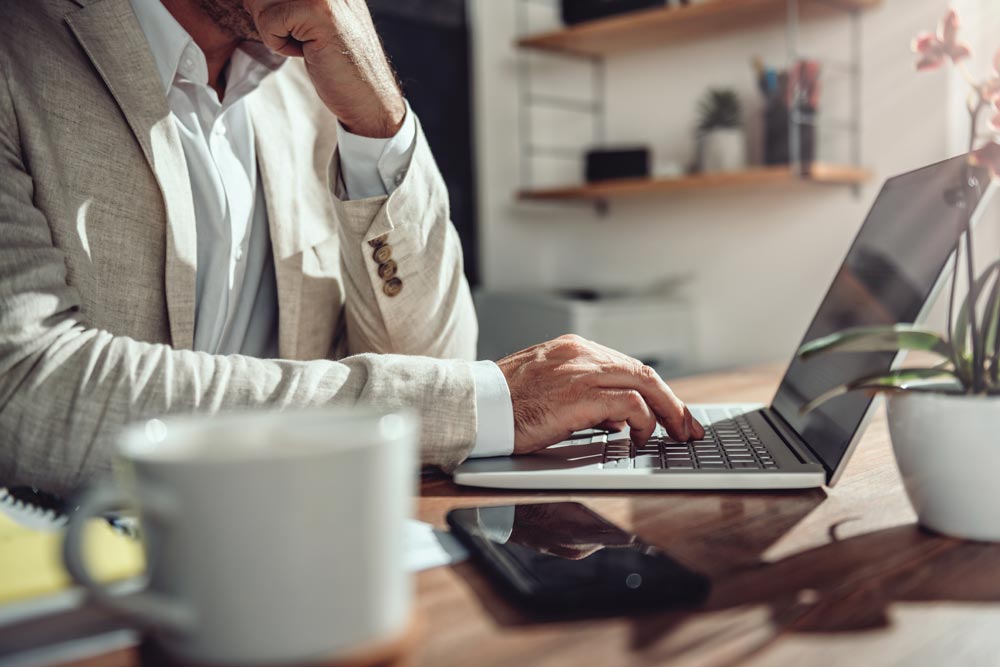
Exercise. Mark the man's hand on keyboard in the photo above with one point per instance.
(570, 384)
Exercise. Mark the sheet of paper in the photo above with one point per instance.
(428, 547)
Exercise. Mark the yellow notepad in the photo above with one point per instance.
(31, 560)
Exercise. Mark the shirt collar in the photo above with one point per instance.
(168, 41)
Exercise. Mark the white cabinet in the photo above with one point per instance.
(655, 329)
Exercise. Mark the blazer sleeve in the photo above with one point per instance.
(412, 298)
(66, 388)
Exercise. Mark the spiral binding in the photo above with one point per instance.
(39, 510)
(32, 509)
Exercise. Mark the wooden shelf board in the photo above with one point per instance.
(820, 173)
(662, 25)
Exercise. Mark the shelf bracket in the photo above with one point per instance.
(595, 107)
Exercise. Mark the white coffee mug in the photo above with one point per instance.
(269, 538)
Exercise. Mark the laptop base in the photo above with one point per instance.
(581, 465)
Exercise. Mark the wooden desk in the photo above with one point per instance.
(835, 577)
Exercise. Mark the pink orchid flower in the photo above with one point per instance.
(987, 156)
(934, 48)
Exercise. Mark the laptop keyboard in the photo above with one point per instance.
(730, 443)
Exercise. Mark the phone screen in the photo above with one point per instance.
(563, 554)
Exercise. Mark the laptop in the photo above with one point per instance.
(899, 260)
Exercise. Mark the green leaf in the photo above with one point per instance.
(905, 379)
(878, 339)
(991, 321)
(960, 339)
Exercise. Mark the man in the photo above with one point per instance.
(203, 203)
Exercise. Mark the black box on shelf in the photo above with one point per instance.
(578, 11)
(605, 164)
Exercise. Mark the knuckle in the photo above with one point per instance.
(573, 339)
(635, 401)
(646, 372)
(573, 344)
(676, 417)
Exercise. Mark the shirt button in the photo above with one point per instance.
(387, 270)
(392, 287)
(400, 175)
(238, 254)
(382, 254)
(219, 130)
(378, 241)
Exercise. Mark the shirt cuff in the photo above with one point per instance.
(374, 167)
(495, 434)
(496, 523)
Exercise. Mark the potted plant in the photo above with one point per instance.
(944, 416)
(722, 144)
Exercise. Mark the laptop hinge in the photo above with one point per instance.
(791, 438)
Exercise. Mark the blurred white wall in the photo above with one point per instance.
(758, 261)
(981, 29)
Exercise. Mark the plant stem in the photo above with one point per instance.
(974, 119)
(973, 296)
(977, 350)
(950, 328)
(963, 68)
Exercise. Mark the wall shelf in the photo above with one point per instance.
(659, 26)
(593, 42)
(759, 176)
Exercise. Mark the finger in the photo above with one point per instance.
(695, 428)
(637, 377)
(284, 26)
(626, 372)
(623, 405)
(614, 426)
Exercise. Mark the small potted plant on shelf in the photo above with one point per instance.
(721, 140)
(944, 416)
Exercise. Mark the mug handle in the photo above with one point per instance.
(144, 607)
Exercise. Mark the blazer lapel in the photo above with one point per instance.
(111, 37)
(275, 159)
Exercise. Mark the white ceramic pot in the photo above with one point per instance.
(723, 150)
(948, 451)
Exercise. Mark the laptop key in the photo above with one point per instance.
(743, 465)
(647, 462)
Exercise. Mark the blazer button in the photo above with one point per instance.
(382, 254)
(378, 241)
(392, 287)
(387, 270)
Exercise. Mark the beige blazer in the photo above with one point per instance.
(98, 259)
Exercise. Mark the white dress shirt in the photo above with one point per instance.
(236, 301)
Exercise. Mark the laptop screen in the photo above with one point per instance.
(889, 273)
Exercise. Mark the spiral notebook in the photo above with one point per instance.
(31, 551)
(45, 620)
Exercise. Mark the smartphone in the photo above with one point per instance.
(565, 557)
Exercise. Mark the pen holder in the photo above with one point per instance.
(777, 150)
